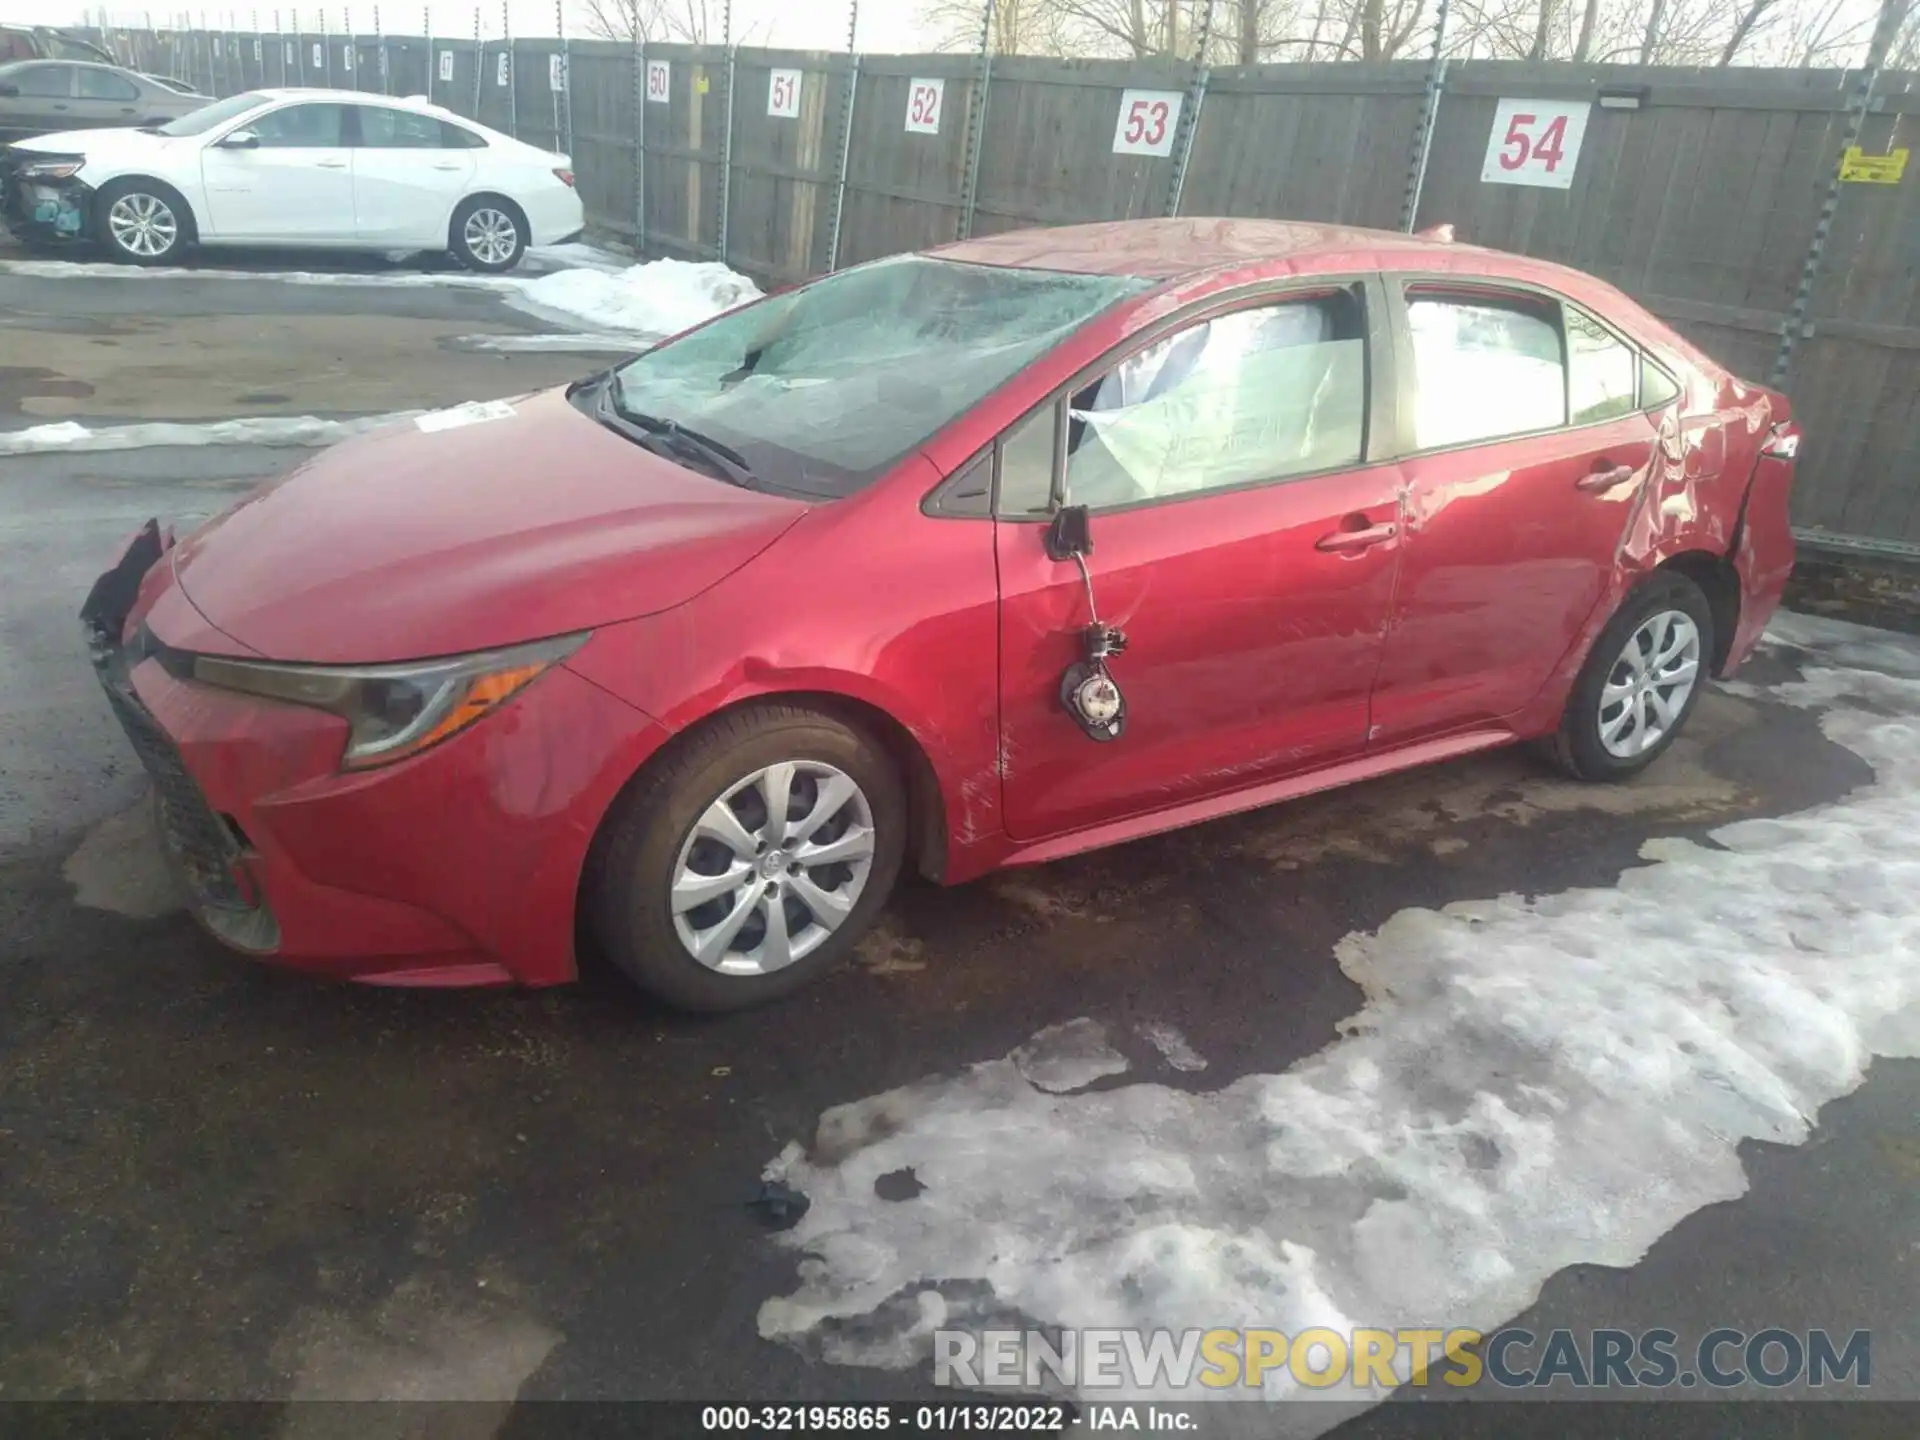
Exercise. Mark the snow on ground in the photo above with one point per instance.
(1533, 1083)
(100, 270)
(258, 430)
(655, 298)
(571, 342)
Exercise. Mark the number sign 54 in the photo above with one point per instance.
(1147, 121)
(1535, 142)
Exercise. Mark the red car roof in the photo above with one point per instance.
(1160, 249)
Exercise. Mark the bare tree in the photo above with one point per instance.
(687, 22)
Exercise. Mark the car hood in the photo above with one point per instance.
(91, 142)
(407, 543)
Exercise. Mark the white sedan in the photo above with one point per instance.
(323, 169)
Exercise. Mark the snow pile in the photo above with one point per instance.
(258, 430)
(1533, 1083)
(655, 298)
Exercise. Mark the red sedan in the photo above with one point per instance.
(963, 559)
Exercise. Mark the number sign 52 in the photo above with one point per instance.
(1535, 142)
(1147, 121)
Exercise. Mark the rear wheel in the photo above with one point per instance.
(750, 863)
(143, 222)
(488, 234)
(1640, 682)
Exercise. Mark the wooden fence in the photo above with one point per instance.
(1698, 191)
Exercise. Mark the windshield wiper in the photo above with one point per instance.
(676, 439)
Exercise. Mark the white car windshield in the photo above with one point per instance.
(823, 388)
(198, 122)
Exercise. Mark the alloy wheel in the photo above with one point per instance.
(490, 236)
(143, 225)
(772, 868)
(1649, 685)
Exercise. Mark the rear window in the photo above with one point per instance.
(824, 387)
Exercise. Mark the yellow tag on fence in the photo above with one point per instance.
(1873, 169)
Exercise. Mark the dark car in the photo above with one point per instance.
(40, 96)
(43, 42)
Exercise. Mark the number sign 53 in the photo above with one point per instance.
(1147, 121)
(1535, 142)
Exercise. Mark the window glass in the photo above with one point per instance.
(105, 85)
(1026, 465)
(1600, 370)
(301, 127)
(61, 48)
(1253, 395)
(46, 82)
(383, 128)
(458, 137)
(16, 47)
(1656, 386)
(822, 388)
(219, 112)
(1483, 369)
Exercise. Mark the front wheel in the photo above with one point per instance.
(751, 861)
(488, 235)
(143, 222)
(1640, 682)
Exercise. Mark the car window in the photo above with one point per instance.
(1483, 368)
(458, 137)
(824, 387)
(105, 85)
(16, 47)
(209, 117)
(1601, 370)
(1259, 394)
(47, 82)
(61, 48)
(384, 128)
(1656, 386)
(1026, 465)
(301, 127)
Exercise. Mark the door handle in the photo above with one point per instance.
(446, 167)
(331, 164)
(1604, 476)
(1346, 542)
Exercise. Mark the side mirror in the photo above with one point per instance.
(1069, 534)
(241, 140)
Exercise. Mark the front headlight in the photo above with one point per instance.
(54, 167)
(394, 710)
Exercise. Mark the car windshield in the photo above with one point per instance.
(59, 47)
(822, 388)
(198, 122)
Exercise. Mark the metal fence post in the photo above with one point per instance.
(513, 72)
(326, 46)
(1796, 328)
(726, 133)
(479, 63)
(1423, 132)
(300, 46)
(1190, 112)
(977, 120)
(380, 50)
(846, 137)
(563, 108)
(639, 142)
(433, 61)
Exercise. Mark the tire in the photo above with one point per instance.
(488, 234)
(651, 842)
(1604, 735)
(120, 210)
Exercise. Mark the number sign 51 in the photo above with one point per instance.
(1535, 142)
(1147, 121)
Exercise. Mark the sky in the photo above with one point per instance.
(885, 25)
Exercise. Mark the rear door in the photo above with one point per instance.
(1242, 539)
(1529, 455)
(103, 97)
(407, 177)
(294, 187)
(43, 103)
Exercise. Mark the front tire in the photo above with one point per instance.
(487, 234)
(142, 222)
(1640, 683)
(751, 861)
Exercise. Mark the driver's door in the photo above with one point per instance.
(293, 187)
(1241, 539)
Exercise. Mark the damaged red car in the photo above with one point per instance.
(957, 560)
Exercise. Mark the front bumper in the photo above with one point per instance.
(48, 211)
(459, 866)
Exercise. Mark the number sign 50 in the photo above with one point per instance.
(1147, 121)
(1535, 142)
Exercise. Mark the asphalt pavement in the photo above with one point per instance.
(222, 1182)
